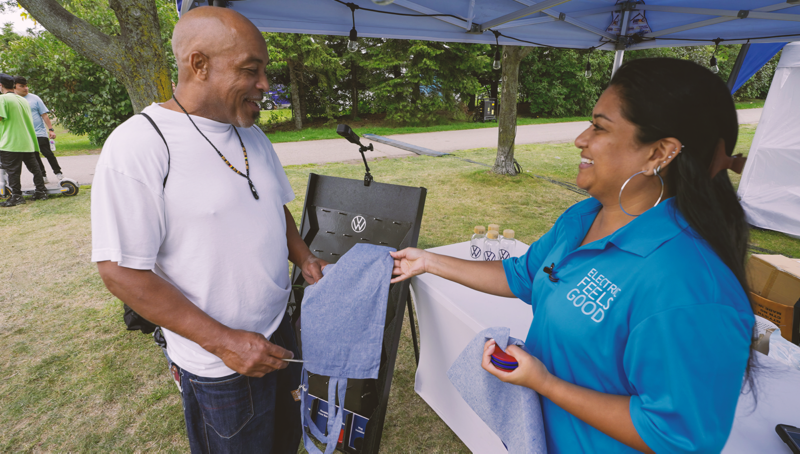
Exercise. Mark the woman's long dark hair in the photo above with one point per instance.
(664, 98)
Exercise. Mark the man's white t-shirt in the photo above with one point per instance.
(203, 232)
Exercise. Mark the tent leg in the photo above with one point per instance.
(737, 66)
(617, 61)
(413, 326)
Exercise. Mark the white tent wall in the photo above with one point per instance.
(770, 187)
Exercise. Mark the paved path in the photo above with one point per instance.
(81, 168)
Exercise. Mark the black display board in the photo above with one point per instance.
(339, 213)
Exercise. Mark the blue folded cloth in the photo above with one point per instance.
(342, 323)
(512, 412)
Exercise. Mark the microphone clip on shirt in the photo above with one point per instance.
(550, 270)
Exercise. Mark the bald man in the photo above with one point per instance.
(194, 236)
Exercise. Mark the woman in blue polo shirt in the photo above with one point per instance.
(642, 326)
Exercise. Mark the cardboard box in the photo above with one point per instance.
(775, 285)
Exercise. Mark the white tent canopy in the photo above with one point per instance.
(770, 186)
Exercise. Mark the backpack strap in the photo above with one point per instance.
(162, 138)
(132, 319)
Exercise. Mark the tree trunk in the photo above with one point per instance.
(135, 57)
(294, 86)
(507, 119)
(415, 92)
(303, 101)
(301, 86)
(354, 93)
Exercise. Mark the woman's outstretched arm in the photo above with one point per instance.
(487, 277)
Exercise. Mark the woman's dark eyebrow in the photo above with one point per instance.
(602, 116)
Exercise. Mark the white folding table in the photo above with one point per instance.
(450, 315)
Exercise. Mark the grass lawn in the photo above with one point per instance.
(68, 144)
(73, 380)
(750, 104)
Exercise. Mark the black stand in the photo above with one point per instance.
(367, 175)
(352, 137)
(338, 214)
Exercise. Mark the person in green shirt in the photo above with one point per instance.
(18, 142)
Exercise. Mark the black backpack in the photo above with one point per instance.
(133, 320)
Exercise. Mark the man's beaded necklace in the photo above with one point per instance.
(244, 150)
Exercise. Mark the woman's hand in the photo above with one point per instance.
(408, 263)
(531, 372)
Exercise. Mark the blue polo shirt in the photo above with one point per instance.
(649, 312)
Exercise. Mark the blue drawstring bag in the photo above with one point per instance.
(512, 412)
(342, 323)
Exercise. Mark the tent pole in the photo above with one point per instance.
(621, 39)
(737, 66)
(617, 61)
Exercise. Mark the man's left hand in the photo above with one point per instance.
(312, 268)
(51, 134)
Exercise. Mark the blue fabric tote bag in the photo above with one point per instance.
(342, 323)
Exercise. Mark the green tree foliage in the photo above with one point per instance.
(410, 81)
(356, 84)
(7, 36)
(84, 98)
(424, 80)
(553, 83)
(756, 87)
(309, 68)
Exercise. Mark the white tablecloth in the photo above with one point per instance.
(450, 315)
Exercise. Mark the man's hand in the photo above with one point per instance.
(51, 134)
(160, 302)
(299, 254)
(312, 268)
(251, 353)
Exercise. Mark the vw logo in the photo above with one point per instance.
(475, 252)
(504, 254)
(488, 256)
(358, 224)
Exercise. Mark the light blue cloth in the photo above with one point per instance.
(512, 412)
(342, 323)
(649, 312)
(37, 110)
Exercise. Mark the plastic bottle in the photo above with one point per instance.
(52, 145)
(491, 247)
(507, 244)
(476, 242)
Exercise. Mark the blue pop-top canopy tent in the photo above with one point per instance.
(751, 58)
(582, 24)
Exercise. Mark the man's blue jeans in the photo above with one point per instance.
(240, 414)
